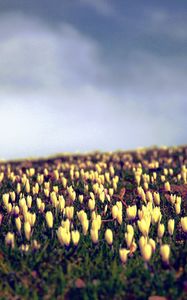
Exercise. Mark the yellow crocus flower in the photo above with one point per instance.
(109, 236)
(160, 230)
(75, 237)
(171, 225)
(94, 235)
(131, 212)
(123, 253)
(146, 252)
(165, 252)
(27, 230)
(9, 239)
(184, 224)
(49, 219)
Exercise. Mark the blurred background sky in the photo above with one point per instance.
(82, 75)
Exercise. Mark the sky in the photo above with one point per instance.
(84, 75)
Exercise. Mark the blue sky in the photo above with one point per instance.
(91, 75)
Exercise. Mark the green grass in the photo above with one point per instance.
(91, 271)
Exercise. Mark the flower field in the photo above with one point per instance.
(95, 226)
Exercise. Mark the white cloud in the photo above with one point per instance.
(32, 55)
(168, 24)
(102, 7)
(52, 96)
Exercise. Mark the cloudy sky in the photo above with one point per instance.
(86, 75)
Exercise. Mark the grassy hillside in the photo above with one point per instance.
(96, 226)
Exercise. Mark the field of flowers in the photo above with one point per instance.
(95, 226)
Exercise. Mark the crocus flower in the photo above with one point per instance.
(27, 230)
(171, 225)
(49, 219)
(109, 236)
(165, 252)
(184, 224)
(94, 236)
(114, 211)
(131, 212)
(123, 253)
(146, 252)
(75, 237)
(9, 239)
(160, 230)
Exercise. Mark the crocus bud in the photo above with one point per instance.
(91, 204)
(27, 230)
(81, 198)
(61, 203)
(130, 229)
(18, 224)
(111, 192)
(66, 224)
(129, 238)
(171, 225)
(27, 186)
(146, 186)
(38, 203)
(55, 188)
(42, 207)
(5, 199)
(85, 225)
(143, 226)
(32, 219)
(13, 196)
(60, 233)
(119, 205)
(167, 187)
(153, 244)
(49, 219)
(109, 236)
(53, 198)
(18, 189)
(156, 196)
(36, 245)
(73, 195)
(156, 215)
(142, 241)
(123, 253)
(24, 248)
(149, 196)
(120, 216)
(177, 208)
(102, 196)
(131, 212)
(160, 230)
(46, 192)
(94, 236)
(67, 238)
(16, 210)
(9, 208)
(37, 188)
(105, 209)
(146, 252)
(64, 182)
(95, 225)
(69, 210)
(184, 224)
(165, 252)
(29, 201)
(9, 239)
(75, 237)
(114, 211)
